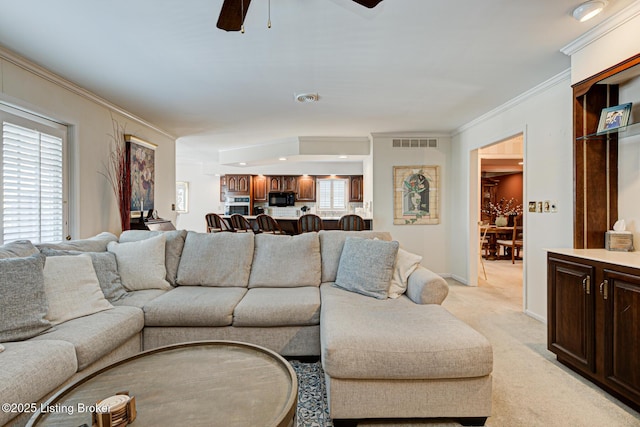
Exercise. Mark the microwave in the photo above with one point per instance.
(237, 205)
(282, 198)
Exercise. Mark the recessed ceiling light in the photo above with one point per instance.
(589, 9)
(242, 164)
(282, 158)
(307, 97)
(343, 157)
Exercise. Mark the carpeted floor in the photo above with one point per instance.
(530, 388)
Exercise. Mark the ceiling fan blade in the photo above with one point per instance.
(368, 3)
(231, 14)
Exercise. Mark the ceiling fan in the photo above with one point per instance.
(233, 12)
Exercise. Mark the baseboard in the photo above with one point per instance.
(457, 278)
(535, 316)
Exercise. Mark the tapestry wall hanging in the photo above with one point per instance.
(142, 167)
(416, 198)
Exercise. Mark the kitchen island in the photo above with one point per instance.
(290, 224)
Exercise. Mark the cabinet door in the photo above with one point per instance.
(244, 184)
(620, 293)
(571, 312)
(306, 189)
(274, 183)
(223, 188)
(259, 185)
(232, 183)
(289, 183)
(355, 188)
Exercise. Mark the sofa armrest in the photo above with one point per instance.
(426, 287)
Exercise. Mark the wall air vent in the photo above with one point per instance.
(415, 143)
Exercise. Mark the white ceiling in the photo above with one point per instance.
(405, 66)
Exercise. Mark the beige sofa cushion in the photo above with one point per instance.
(97, 335)
(141, 264)
(173, 248)
(285, 261)
(279, 307)
(31, 369)
(140, 298)
(397, 339)
(331, 243)
(194, 306)
(216, 259)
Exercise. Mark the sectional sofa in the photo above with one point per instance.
(366, 307)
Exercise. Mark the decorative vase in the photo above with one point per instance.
(416, 202)
(501, 221)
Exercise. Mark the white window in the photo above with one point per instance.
(332, 195)
(32, 173)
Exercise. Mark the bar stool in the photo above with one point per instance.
(216, 224)
(351, 222)
(266, 224)
(309, 222)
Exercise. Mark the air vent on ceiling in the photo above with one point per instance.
(415, 143)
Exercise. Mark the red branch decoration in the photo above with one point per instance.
(118, 174)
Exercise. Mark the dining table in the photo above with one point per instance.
(493, 234)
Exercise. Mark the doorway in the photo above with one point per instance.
(499, 205)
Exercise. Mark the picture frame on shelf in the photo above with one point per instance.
(614, 117)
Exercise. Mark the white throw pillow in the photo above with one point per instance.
(72, 288)
(406, 263)
(141, 264)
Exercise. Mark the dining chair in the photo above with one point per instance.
(484, 245)
(266, 224)
(309, 222)
(515, 243)
(240, 224)
(351, 222)
(216, 224)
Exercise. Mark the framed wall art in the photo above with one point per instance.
(614, 117)
(416, 198)
(142, 174)
(182, 197)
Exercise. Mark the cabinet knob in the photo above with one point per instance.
(604, 289)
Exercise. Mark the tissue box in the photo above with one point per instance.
(618, 241)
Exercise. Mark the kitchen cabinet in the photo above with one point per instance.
(594, 319)
(259, 186)
(355, 188)
(239, 185)
(282, 183)
(306, 189)
(223, 188)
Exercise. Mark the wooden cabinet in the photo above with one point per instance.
(223, 188)
(306, 189)
(594, 322)
(259, 186)
(355, 188)
(282, 183)
(238, 184)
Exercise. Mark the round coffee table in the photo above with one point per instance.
(205, 383)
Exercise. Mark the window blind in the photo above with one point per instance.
(32, 185)
(332, 194)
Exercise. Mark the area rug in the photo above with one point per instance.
(312, 410)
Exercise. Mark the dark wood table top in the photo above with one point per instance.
(208, 383)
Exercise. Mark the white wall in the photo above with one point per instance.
(35, 90)
(629, 166)
(544, 116)
(432, 242)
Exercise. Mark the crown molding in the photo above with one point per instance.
(553, 81)
(47, 75)
(602, 29)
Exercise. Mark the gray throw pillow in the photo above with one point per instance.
(17, 249)
(106, 267)
(23, 302)
(366, 266)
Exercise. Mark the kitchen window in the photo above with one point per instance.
(332, 195)
(33, 178)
